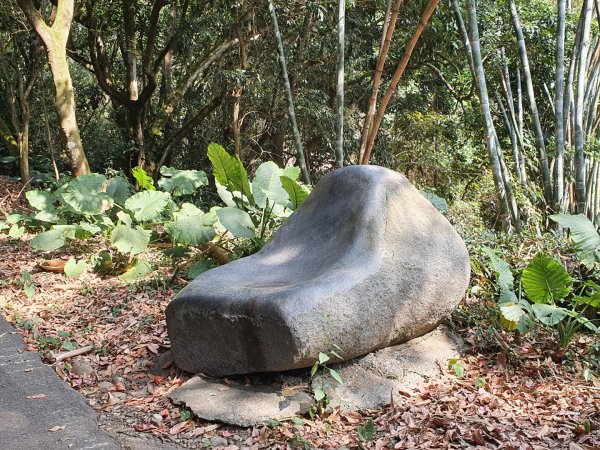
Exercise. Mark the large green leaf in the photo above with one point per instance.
(41, 200)
(504, 276)
(229, 171)
(147, 205)
(438, 202)
(295, 192)
(267, 185)
(84, 194)
(144, 180)
(545, 280)
(191, 226)
(236, 221)
(130, 240)
(584, 235)
(119, 189)
(73, 268)
(140, 269)
(549, 314)
(48, 240)
(181, 182)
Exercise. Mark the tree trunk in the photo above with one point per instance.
(537, 127)
(491, 140)
(389, 25)
(339, 99)
(410, 46)
(558, 107)
(54, 39)
(288, 94)
(580, 187)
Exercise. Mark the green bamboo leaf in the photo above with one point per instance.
(546, 280)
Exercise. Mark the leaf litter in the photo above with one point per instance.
(501, 402)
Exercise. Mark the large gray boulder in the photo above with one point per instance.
(365, 263)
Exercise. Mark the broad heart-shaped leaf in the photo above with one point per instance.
(181, 182)
(584, 235)
(119, 189)
(504, 276)
(16, 231)
(229, 171)
(128, 240)
(74, 269)
(191, 229)
(41, 200)
(140, 269)
(198, 268)
(267, 185)
(295, 192)
(549, 314)
(144, 180)
(546, 280)
(438, 202)
(84, 195)
(236, 221)
(3, 226)
(48, 240)
(291, 172)
(147, 205)
(512, 312)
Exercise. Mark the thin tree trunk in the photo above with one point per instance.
(339, 99)
(558, 107)
(410, 46)
(537, 127)
(288, 93)
(54, 39)
(579, 160)
(388, 32)
(491, 139)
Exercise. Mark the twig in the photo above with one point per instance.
(76, 352)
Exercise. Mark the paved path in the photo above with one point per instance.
(25, 422)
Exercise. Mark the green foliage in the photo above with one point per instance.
(321, 368)
(438, 202)
(253, 210)
(73, 268)
(548, 298)
(366, 432)
(144, 180)
(148, 205)
(457, 365)
(584, 235)
(181, 182)
(546, 280)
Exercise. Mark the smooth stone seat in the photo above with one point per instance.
(365, 263)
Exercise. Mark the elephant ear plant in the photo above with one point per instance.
(546, 293)
(109, 211)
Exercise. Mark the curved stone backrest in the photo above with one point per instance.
(365, 263)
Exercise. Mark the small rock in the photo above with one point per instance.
(105, 385)
(218, 441)
(157, 419)
(83, 368)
